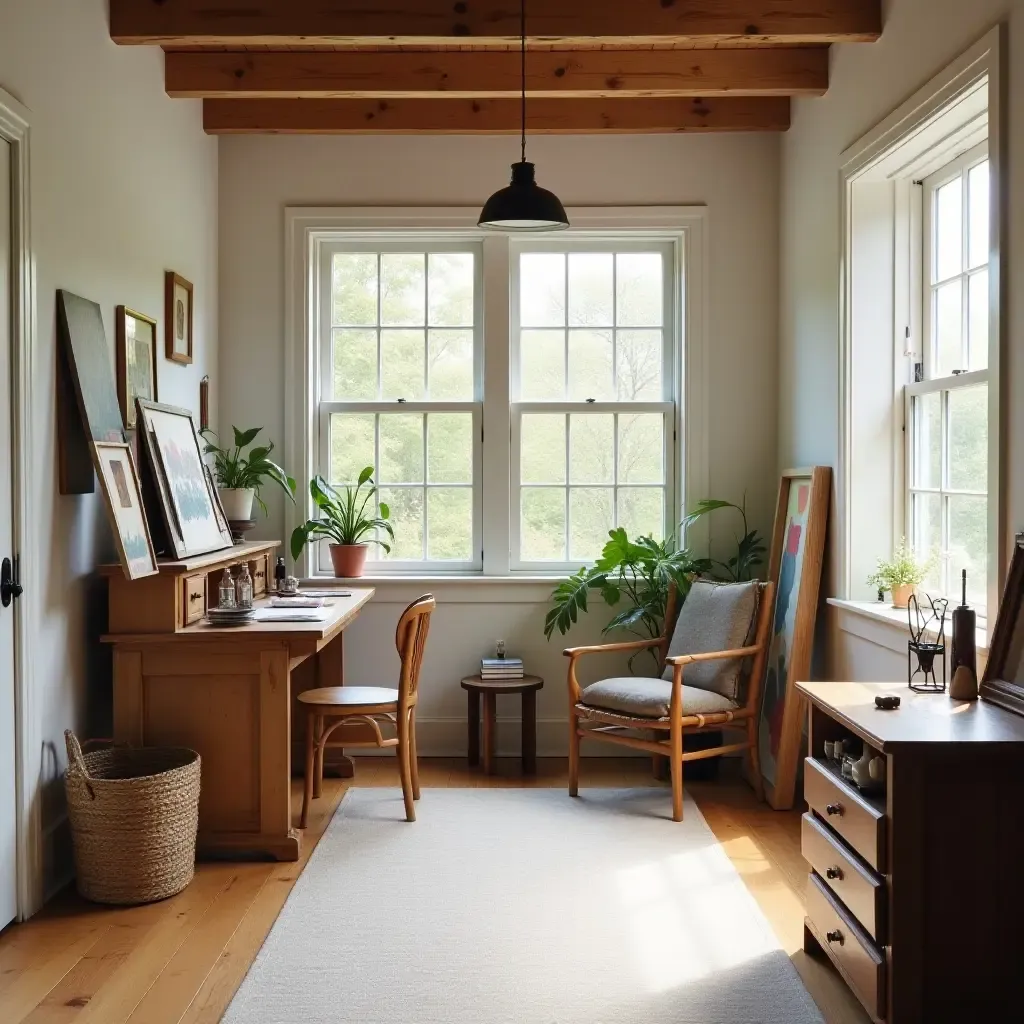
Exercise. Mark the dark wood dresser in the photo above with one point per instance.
(916, 894)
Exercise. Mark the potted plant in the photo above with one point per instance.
(345, 521)
(901, 575)
(240, 474)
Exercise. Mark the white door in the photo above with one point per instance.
(8, 823)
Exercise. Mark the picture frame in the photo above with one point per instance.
(797, 554)
(136, 361)
(218, 507)
(178, 318)
(1002, 681)
(174, 453)
(119, 482)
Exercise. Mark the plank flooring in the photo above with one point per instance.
(181, 960)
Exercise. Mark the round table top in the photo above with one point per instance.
(502, 685)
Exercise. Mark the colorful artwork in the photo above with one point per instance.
(783, 626)
(120, 486)
(136, 361)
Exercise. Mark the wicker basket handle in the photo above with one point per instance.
(76, 763)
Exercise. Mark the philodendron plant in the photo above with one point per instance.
(236, 469)
(349, 516)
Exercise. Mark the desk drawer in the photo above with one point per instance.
(258, 571)
(848, 946)
(846, 875)
(193, 598)
(844, 810)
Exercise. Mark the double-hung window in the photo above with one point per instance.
(593, 411)
(948, 402)
(400, 381)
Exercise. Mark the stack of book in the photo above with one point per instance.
(501, 668)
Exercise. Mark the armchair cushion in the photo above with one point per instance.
(649, 698)
(715, 617)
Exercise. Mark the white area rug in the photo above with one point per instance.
(520, 906)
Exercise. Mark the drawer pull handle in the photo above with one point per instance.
(835, 872)
(831, 809)
(195, 597)
(836, 936)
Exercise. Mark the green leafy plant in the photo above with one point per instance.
(344, 518)
(750, 547)
(904, 569)
(236, 468)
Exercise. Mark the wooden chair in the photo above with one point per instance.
(374, 706)
(710, 711)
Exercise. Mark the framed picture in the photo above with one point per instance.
(120, 485)
(798, 547)
(173, 448)
(1002, 682)
(177, 317)
(136, 361)
(218, 508)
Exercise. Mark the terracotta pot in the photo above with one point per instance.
(237, 502)
(348, 559)
(901, 595)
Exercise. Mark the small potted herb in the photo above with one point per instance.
(240, 474)
(901, 575)
(346, 517)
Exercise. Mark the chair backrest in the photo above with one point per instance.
(410, 640)
(762, 637)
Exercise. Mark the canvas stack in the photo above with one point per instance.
(501, 668)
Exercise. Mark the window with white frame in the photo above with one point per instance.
(948, 402)
(592, 416)
(571, 350)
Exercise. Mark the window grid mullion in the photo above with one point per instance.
(423, 508)
(615, 470)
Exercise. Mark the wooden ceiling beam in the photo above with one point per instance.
(768, 71)
(494, 116)
(489, 22)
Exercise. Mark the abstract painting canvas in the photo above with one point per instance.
(798, 546)
(120, 486)
(172, 444)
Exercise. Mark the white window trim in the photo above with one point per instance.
(889, 149)
(307, 228)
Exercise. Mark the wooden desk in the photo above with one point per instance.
(914, 893)
(228, 694)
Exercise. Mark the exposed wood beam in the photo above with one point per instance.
(767, 71)
(494, 116)
(439, 22)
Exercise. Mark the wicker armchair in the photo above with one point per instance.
(625, 710)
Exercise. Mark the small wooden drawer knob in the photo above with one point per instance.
(195, 597)
(831, 809)
(834, 872)
(836, 936)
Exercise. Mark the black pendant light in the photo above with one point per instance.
(523, 205)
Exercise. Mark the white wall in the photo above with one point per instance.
(735, 176)
(124, 186)
(919, 39)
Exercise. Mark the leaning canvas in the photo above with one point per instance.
(798, 546)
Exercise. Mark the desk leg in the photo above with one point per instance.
(473, 728)
(275, 754)
(529, 732)
(490, 727)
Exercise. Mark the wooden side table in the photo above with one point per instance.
(489, 689)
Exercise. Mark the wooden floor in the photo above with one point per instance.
(180, 961)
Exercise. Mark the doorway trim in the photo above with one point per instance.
(15, 129)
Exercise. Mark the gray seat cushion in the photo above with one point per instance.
(715, 617)
(649, 698)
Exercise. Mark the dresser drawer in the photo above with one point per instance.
(839, 804)
(850, 948)
(193, 598)
(846, 875)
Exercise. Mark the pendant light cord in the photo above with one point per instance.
(522, 34)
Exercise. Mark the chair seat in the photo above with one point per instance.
(350, 696)
(650, 698)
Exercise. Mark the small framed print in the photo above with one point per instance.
(120, 485)
(178, 317)
(136, 361)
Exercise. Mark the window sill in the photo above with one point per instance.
(887, 626)
(466, 588)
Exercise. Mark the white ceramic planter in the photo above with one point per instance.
(237, 502)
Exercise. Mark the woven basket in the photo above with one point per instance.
(134, 814)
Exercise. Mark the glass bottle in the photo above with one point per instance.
(243, 587)
(279, 574)
(226, 590)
